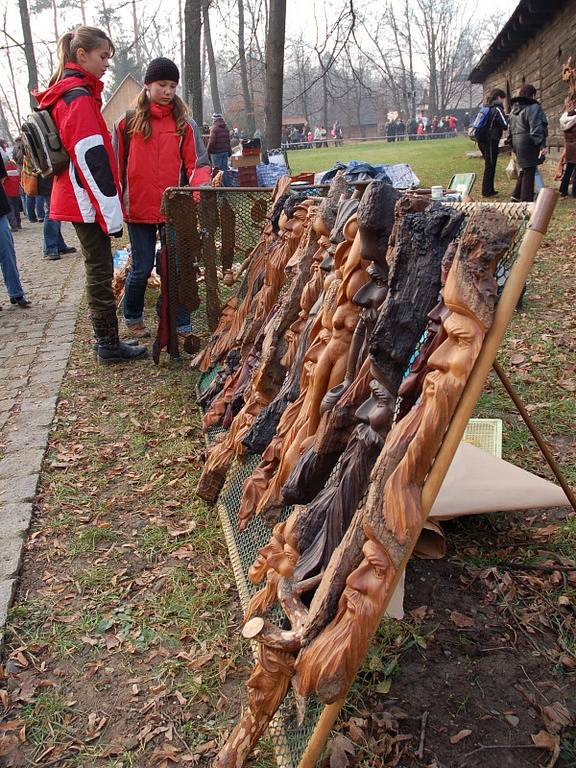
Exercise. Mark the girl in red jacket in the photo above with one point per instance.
(87, 192)
(157, 146)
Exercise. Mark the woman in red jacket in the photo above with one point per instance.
(87, 192)
(157, 146)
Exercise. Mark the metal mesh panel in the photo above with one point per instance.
(288, 740)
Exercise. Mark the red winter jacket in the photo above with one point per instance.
(12, 183)
(164, 160)
(88, 190)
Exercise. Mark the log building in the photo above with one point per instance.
(531, 48)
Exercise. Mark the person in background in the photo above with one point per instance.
(7, 252)
(317, 137)
(489, 136)
(89, 196)
(219, 147)
(568, 125)
(33, 205)
(157, 145)
(400, 129)
(11, 187)
(54, 245)
(528, 135)
(323, 136)
(309, 136)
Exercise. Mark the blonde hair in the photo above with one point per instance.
(141, 122)
(88, 38)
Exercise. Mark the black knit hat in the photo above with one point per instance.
(161, 69)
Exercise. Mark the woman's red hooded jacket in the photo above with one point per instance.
(88, 190)
(164, 160)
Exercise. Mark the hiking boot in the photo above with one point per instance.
(67, 249)
(52, 256)
(110, 349)
(138, 331)
(22, 302)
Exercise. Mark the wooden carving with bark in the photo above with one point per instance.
(386, 526)
(268, 375)
(291, 224)
(379, 216)
(414, 280)
(329, 343)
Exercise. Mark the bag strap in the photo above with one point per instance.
(126, 138)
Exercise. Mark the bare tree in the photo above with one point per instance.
(15, 110)
(29, 50)
(193, 60)
(275, 72)
(4, 127)
(214, 92)
(248, 101)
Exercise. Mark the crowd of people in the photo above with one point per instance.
(308, 137)
(527, 127)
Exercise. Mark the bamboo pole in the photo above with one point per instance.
(540, 219)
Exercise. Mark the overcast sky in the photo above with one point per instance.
(300, 20)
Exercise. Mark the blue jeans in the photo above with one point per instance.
(8, 260)
(34, 207)
(53, 240)
(220, 161)
(143, 246)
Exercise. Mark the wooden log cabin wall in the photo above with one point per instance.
(531, 48)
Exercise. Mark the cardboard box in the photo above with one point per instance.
(239, 161)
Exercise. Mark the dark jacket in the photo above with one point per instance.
(219, 138)
(497, 122)
(568, 125)
(528, 130)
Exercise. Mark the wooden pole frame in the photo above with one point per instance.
(541, 215)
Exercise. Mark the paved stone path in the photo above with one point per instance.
(35, 345)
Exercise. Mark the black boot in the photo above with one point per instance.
(110, 348)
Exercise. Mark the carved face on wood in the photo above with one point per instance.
(452, 358)
(378, 409)
(373, 293)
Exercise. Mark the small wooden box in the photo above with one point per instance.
(248, 177)
(240, 161)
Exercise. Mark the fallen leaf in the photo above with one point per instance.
(512, 719)
(463, 734)
(341, 751)
(461, 620)
(556, 717)
(517, 359)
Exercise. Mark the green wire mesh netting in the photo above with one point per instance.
(287, 739)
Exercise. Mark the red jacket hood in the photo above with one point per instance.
(74, 77)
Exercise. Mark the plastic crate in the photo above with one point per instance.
(485, 434)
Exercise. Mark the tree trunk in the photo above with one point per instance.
(410, 63)
(29, 50)
(193, 52)
(83, 11)
(214, 92)
(55, 19)
(106, 19)
(4, 127)
(248, 103)
(181, 34)
(136, 36)
(275, 72)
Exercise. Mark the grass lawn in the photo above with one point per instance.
(434, 162)
(123, 646)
